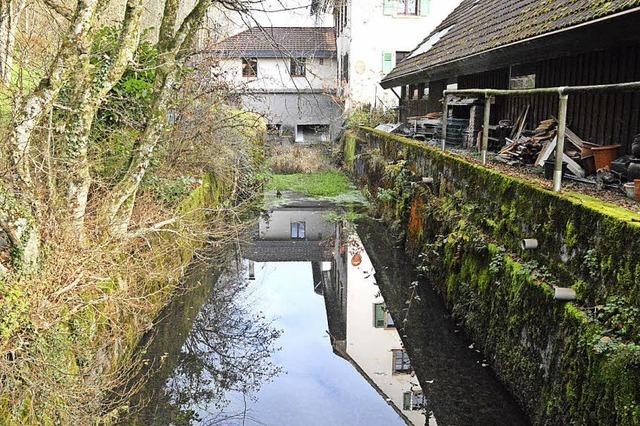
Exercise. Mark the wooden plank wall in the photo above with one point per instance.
(600, 118)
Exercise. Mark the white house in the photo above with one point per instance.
(374, 35)
(286, 74)
(363, 332)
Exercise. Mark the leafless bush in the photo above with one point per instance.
(297, 159)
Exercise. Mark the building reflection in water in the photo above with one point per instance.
(362, 331)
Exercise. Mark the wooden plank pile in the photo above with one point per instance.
(526, 149)
(539, 146)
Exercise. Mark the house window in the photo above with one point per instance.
(412, 91)
(522, 82)
(345, 67)
(401, 363)
(345, 13)
(298, 67)
(298, 230)
(413, 400)
(249, 67)
(407, 7)
(381, 316)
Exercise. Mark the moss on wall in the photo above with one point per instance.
(565, 363)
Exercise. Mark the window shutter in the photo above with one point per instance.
(387, 62)
(425, 7)
(389, 7)
(378, 315)
(406, 401)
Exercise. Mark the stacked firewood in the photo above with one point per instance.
(526, 149)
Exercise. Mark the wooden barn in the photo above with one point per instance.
(508, 44)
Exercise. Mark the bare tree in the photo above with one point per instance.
(88, 100)
(172, 45)
(10, 12)
(18, 214)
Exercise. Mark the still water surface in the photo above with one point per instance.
(296, 331)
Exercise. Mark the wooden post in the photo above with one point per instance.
(445, 114)
(485, 129)
(562, 126)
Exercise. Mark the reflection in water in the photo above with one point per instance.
(304, 274)
(226, 353)
(364, 333)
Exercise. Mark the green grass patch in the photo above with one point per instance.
(323, 184)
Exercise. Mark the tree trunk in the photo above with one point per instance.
(85, 109)
(34, 106)
(116, 213)
(19, 205)
(10, 12)
(17, 221)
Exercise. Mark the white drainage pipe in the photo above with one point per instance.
(529, 244)
(564, 294)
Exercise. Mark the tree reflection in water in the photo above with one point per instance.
(224, 360)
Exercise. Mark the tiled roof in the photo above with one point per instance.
(286, 251)
(476, 26)
(279, 41)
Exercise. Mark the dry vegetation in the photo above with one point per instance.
(119, 160)
(292, 159)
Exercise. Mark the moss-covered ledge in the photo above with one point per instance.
(565, 363)
(586, 243)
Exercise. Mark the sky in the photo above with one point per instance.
(282, 13)
(317, 387)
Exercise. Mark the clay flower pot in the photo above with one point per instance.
(636, 183)
(604, 155)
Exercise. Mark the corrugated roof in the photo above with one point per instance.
(279, 42)
(476, 26)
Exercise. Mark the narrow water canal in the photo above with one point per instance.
(294, 330)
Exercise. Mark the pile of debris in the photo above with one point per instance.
(538, 147)
(526, 149)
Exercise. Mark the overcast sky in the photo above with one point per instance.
(282, 13)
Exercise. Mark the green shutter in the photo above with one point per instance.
(425, 7)
(389, 7)
(406, 401)
(379, 312)
(387, 62)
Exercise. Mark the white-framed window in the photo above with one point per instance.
(407, 7)
(298, 67)
(413, 400)
(298, 230)
(401, 362)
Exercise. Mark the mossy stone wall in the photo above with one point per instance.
(566, 363)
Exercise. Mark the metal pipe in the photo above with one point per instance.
(485, 129)
(562, 126)
(619, 87)
(445, 120)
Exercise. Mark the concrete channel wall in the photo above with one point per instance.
(566, 363)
